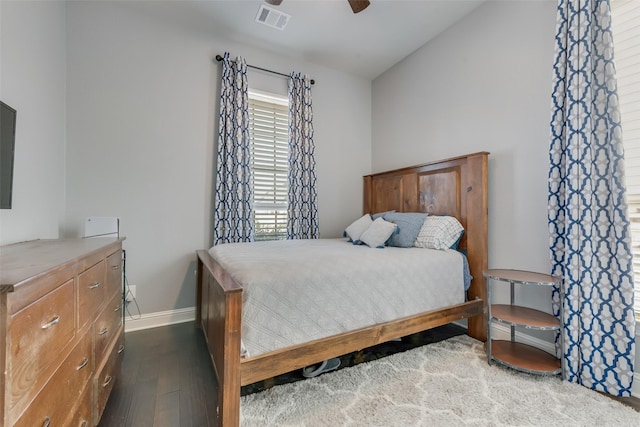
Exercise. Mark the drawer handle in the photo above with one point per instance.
(117, 308)
(115, 267)
(95, 285)
(51, 323)
(46, 422)
(82, 364)
(107, 381)
(104, 331)
(121, 349)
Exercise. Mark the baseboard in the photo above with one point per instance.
(503, 332)
(161, 318)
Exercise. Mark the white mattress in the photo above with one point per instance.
(296, 291)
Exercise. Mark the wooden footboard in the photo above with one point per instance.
(219, 300)
(456, 187)
(218, 312)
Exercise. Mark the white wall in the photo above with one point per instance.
(483, 85)
(142, 96)
(32, 80)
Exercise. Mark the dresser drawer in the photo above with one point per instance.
(60, 395)
(38, 334)
(91, 293)
(114, 274)
(81, 416)
(107, 325)
(108, 374)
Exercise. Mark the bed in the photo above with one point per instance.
(455, 187)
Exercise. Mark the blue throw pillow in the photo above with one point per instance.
(409, 225)
(380, 215)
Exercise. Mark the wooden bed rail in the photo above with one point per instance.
(288, 359)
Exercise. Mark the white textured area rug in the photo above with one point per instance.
(444, 384)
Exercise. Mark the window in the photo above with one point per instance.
(625, 22)
(269, 130)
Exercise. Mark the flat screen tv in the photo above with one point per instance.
(7, 148)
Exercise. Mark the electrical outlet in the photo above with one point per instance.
(131, 293)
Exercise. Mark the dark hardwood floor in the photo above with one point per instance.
(633, 402)
(167, 378)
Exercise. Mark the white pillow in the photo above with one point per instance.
(378, 232)
(439, 232)
(359, 226)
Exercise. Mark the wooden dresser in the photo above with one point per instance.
(62, 332)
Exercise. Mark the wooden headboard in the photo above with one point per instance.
(456, 187)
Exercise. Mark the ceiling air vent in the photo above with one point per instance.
(272, 18)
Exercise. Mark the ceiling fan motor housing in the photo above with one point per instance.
(356, 5)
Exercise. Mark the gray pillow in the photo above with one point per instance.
(409, 225)
(380, 215)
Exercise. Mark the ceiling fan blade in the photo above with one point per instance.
(274, 2)
(358, 5)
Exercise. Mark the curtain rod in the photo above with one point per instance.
(219, 58)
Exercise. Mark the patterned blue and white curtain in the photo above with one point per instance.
(302, 222)
(233, 216)
(590, 242)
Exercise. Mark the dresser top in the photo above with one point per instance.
(22, 261)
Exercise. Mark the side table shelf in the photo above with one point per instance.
(516, 355)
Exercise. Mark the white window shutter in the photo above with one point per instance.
(269, 129)
(625, 22)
